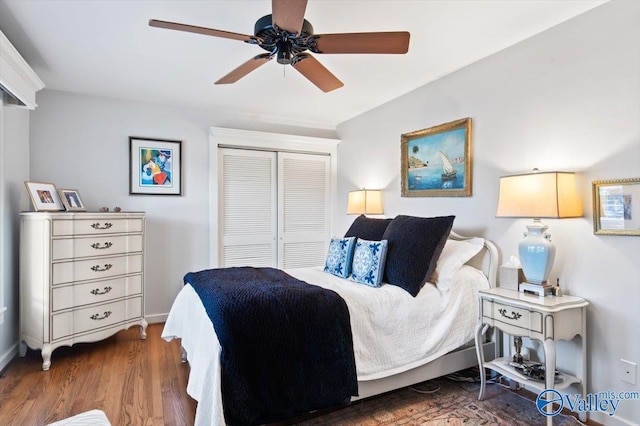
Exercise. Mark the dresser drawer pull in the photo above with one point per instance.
(107, 225)
(97, 317)
(97, 268)
(97, 246)
(97, 291)
(514, 315)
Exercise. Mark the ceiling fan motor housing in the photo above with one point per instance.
(286, 45)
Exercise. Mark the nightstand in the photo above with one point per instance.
(547, 319)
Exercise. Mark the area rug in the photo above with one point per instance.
(441, 402)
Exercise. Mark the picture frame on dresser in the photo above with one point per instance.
(71, 200)
(44, 196)
(616, 207)
(155, 166)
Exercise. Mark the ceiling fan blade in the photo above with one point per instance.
(385, 42)
(245, 68)
(288, 14)
(316, 73)
(200, 30)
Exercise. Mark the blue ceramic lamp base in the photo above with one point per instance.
(537, 253)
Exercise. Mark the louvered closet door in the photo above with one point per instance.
(303, 204)
(248, 210)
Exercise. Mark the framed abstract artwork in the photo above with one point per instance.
(436, 162)
(44, 196)
(155, 166)
(616, 207)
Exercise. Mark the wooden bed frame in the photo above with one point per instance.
(487, 261)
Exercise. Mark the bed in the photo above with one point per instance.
(418, 344)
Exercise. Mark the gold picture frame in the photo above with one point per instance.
(616, 207)
(44, 196)
(71, 200)
(436, 162)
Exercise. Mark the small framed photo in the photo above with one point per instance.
(44, 196)
(71, 200)
(436, 162)
(155, 166)
(616, 207)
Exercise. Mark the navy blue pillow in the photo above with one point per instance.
(367, 228)
(415, 244)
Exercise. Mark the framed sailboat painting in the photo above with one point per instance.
(436, 162)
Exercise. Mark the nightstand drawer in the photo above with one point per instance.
(511, 315)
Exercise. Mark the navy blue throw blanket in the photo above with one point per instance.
(287, 347)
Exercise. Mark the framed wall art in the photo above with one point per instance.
(71, 200)
(155, 166)
(616, 207)
(436, 162)
(44, 196)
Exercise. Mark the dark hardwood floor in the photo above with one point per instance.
(134, 381)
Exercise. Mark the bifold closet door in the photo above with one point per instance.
(274, 208)
(303, 205)
(248, 208)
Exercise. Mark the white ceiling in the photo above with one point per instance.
(107, 48)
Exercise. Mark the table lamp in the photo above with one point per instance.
(538, 195)
(365, 201)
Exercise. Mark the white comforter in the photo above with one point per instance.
(392, 331)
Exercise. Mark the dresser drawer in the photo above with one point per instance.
(69, 296)
(511, 315)
(69, 248)
(83, 320)
(64, 227)
(96, 269)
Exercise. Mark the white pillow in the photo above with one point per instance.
(453, 256)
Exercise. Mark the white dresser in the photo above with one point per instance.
(81, 278)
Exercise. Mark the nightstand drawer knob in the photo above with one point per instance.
(514, 315)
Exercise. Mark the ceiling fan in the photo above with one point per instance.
(287, 36)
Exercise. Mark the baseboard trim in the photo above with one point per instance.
(152, 319)
(8, 356)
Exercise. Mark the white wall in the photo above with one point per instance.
(567, 99)
(14, 170)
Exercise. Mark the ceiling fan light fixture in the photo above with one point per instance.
(284, 53)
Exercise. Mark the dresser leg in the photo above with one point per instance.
(46, 356)
(143, 329)
(22, 349)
